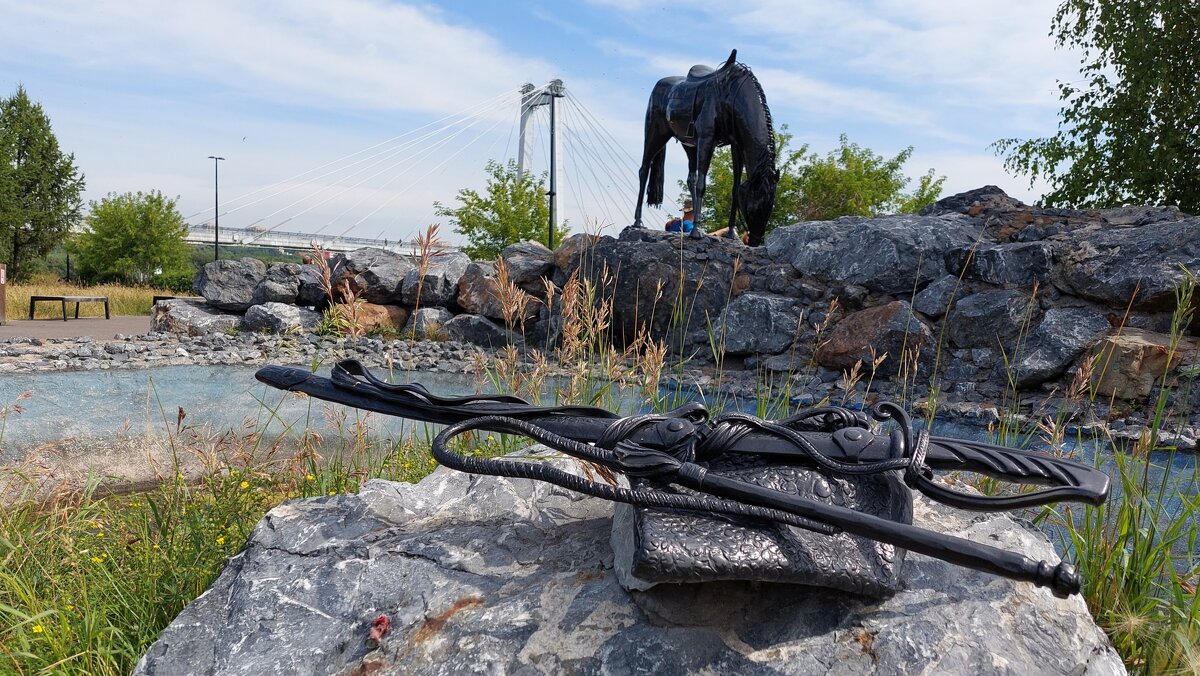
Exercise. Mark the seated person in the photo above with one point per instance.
(684, 223)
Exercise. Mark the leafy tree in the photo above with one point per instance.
(133, 237)
(39, 185)
(853, 181)
(718, 193)
(513, 209)
(849, 181)
(1130, 131)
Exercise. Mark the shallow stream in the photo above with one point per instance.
(81, 410)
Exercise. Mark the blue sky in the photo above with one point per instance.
(143, 92)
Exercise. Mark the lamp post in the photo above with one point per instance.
(216, 209)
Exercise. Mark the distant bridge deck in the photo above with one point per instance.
(203, 234)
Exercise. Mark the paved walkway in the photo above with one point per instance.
(96, 327)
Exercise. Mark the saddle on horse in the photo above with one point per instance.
(687, 96)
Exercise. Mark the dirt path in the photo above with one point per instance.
(96, 327)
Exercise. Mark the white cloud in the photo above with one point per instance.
(359, 53)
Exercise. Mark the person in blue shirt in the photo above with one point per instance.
(683, 224)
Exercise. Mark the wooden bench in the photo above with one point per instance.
(34, 300)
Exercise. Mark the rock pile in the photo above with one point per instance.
(983, 289)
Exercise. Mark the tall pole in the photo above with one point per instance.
(555, 91)
(216, 208)
(525, 147)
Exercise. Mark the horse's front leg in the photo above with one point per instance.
(698, 177)
(735, 157)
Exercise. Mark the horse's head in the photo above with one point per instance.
(757, 199)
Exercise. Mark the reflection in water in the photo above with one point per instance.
(85, 405)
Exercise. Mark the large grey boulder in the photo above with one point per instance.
(972, 202)
(496, 575)
(191, 317)
(528, 263)
(438, 284)
(428, 323)
(230, 285)
(376, 275)
(311, 291)
(647, 273)
(1013, 264)
(990, 318)
(1107, 264)
(889, 254)
(759, 323)
(936, 298)
(1063, 335)
(479, 330)
(280, 318)
(281, 284)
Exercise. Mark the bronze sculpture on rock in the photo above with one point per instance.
(707, 109)
(714, 493)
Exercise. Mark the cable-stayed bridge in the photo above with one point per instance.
(360, 198)
(204, 233)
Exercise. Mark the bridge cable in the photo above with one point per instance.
(485, 103)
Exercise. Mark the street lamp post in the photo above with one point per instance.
(216, 209)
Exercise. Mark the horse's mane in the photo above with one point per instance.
(743, 69)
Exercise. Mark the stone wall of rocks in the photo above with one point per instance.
(978, 289)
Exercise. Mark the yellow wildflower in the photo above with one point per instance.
(309, 477)
(221, 540)
(37, 629)
(245, 484)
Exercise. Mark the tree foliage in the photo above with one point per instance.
(854, 181)
(718, 193)
(133, 237)
(513, 208)
(1129, 132)
(39, 186)
(849, 181)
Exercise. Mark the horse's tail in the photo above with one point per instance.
(654, 186)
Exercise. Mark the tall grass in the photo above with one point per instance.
(88, 582)
(123, 300)
(1138, 552)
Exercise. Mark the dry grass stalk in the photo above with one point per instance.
(572, 329)
(429, 246)
(649, 363)
(514, 301)
(850, 379)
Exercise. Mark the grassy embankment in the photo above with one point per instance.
(86, 584)
(122, 300)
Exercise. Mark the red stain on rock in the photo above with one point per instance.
(435, 624)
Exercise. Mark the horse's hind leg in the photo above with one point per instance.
(658, 132)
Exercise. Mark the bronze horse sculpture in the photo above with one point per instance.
(707, 109)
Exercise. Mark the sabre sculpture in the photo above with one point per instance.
(752, 476)
(705, 110)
